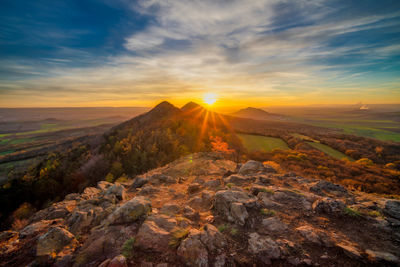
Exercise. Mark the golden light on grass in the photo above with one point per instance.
(210, 98)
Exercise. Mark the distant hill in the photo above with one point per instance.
(257, 114)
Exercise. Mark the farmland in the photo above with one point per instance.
(263, 143)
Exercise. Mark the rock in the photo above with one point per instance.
(309, 233)
(72, 196)
(350, 251)
(324, 186)
(193, 188)
(79, 221)
(90, 192)
(239, 213)
(54, 241)
(37, 227)
(103, 185)
(130, 211)
(148, 190)
(251, 167)
(212, 238)
(212, 184)
(118, 261)
(170, 208)
(155, 232)
(263, 247)
(263, 180)
(192, 250)
(220, 261)
(238, 180)
(268, 168)
(7, 235)
(190, 213)
(380, 256)
(160, 178)
(118, 190)
(329, 206)
(274, 225)
(104, 263)
(204, 201)
(224, 199)
(392, 208)
(139, 182)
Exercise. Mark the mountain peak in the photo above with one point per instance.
(191, 106)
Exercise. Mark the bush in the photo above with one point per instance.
(222, 228)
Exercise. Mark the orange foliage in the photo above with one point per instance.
(220, 146)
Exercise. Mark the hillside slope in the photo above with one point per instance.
(203, 210)
(257, 114)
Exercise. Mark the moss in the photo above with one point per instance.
(222, 228)
(177, 236)
(375, 213)
(229, 185)
(268, 191)
(267, 212)
(234, 231)
(127, 248)
(351, 212)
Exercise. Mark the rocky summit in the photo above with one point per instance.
(203, 210)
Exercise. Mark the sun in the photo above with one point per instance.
(210, 98)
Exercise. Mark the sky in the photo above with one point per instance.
(69, 53)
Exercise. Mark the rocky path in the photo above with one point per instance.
(202, 210)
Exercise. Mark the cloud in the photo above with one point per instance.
(275, 49)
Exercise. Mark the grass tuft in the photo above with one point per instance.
(352, 212)
(127, 248)
(177, 235)
(267, 212)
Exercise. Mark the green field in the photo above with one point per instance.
(263, 143)
(330, 151)
(384, 130)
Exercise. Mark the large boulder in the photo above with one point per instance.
(239, 213)
(192, 250)
(329, 206)
(264, 248)
(212, 238)
(155, 233)
(392, 208)
(117, 190)
(236, 212)
(251, 167)
(55, 240)
(130, 211)
(322, 187)
(273, 225)
(239, 179)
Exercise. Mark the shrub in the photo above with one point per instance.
(391, 166)
(365, 162)
(177, 236)
(375, 213)
(127, 248)
(110, 177)
(229, 185)
(267, 212)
